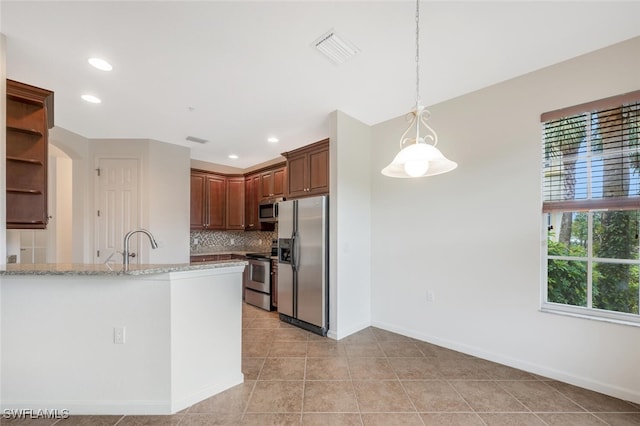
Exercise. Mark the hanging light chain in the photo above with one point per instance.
(417, 52)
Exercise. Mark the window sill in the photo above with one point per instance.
(592, 314)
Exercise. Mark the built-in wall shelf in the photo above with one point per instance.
(29, 112)
(32, 132)
(25, 160)
(24, 191)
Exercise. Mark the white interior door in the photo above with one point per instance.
(117, 207)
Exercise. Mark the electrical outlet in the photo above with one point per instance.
(119, 335)
(196, 241)
(233, 241)
(430, 296)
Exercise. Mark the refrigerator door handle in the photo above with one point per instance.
(294, 257)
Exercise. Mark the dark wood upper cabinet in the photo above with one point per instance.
(208, 201)
(230, 202)
(29, 118)
(216, 201)
(198, 209)
(308, 170)
(259, 185)
(251, 199)
(235, 203)
(272, 183)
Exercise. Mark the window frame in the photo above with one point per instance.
(589, 206)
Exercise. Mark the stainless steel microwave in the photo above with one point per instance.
(268, 210)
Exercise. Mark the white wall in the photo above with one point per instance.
(76, 148)
(163, 201)
(350, 224)
(64, 210)
(183, 333)
(168, 204)
(73, 318)
(473, 236)
(60, 207)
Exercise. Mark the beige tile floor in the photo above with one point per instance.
(375, 377)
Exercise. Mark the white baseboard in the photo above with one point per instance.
(342, 333)
(211, 390)
(120, 407)
(541, 370)
(91, 407)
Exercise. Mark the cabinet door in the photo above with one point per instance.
(297, 170)
(318, 172)
(216, 202)
(198, 205)
(266, 185)
(249, 205)
(252, 196)
(235, 203)
(279, 179)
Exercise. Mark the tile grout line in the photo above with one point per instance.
(353, 386)
(386, 357)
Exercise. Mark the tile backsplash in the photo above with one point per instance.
(231, 240)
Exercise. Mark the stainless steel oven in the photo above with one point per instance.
(257, 286)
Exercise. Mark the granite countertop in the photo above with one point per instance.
(101, 269)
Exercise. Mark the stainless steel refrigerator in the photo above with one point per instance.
(303, 263)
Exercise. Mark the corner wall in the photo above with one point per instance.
(350, 227)
(473, 236)
(169, 203)
(162, 201)
(77, 148)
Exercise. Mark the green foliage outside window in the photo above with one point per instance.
(566, 279)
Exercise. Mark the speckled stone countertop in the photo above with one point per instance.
(101, 269)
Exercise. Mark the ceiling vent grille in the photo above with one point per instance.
(195, 139)
(334, 47)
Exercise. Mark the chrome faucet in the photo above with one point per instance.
(125, 253)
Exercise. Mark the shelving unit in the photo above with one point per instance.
(29, 118)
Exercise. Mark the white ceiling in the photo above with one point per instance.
(249, 71)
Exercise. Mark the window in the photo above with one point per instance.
(591, 209)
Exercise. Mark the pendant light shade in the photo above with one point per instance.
(418, 156)
(418, 160)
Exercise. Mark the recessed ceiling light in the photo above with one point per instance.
(273, 140)
(101, 64)
(233, 156)
(92, 99)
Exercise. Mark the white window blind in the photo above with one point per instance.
(591, 155)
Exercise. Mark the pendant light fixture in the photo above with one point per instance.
(418, 154)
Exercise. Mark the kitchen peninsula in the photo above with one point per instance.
(98, 339)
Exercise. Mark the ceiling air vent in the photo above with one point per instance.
(195, 139)
(337, 49)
